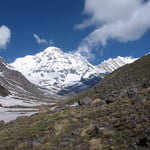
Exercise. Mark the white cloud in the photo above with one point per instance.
(85, 51)
(5, 35)
(42, 41)
(121, 20)
(104, 11)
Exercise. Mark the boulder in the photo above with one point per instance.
(58, 108)
(132, 92)
(84, 101)
(3, 91)
(97, 102)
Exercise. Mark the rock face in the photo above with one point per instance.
(62, 73)
(14, 83)
(3, 91)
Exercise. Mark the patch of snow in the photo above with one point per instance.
(74, 104)
(9, 114)
(1, 74)
(53, 108)
(10, 101)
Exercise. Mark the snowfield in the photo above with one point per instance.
(8, 114)
(10, 101)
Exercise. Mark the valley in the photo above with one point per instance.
(113, 114)
(49, 77)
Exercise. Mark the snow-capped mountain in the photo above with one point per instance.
(112, 64)
(61, 73)
(15, 85)
(18, 96)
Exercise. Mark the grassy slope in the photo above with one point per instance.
(117, 126)
(129, 76)
(121, 125)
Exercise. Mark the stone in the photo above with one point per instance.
(58, 108)
(123, 93)
(84, 101)
(3, 91)
(97, 102)
(132, 92)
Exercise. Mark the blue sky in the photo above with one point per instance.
(87, 27)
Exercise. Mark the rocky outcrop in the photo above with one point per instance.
(3, 91)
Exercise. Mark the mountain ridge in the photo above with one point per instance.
(112, 64)
(15, 85)
(61, 73)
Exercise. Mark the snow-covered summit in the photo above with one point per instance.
(15, 84)
(53, 50)
(57, 71)
(60, 73)
(113, 64)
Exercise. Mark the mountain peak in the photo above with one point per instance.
(14, 83)
(56, 71)
(53, 50)
(59, 72)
